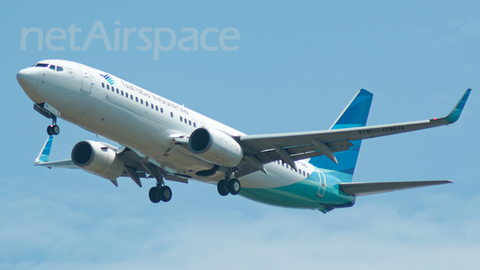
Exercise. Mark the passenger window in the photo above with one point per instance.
(136, 99)
(59, 68)
(52, 67)
(108, 87)
(131, 97)
(122, 93)
(194, 124)
(171, 114)
(181, 119)
(156, 108)
(126, 94)
(161, 110)
(185, 120)
(103, 85)
(151, 105)
(141, 101)
(190, 122)
(117, 91)
(146, 102)
(303, 173)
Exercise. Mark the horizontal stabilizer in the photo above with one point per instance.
(360, 189)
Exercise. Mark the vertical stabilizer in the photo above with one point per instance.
(354, 115)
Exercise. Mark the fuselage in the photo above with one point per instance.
(139, 119)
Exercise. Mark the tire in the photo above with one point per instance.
(165, 193)
(55, 130)
(222, 188)
(234, 186)
(50, 130)
(154, 195)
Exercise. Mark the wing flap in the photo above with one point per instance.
(361, 189)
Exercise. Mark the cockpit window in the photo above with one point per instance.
(41, 65)
(59, 68)
(52, 67)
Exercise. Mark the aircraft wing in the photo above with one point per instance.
(137, 165)
(261, 149)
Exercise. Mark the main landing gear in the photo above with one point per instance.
(231, 186)
(159, 193)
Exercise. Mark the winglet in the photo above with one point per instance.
(455, 113)
(45, 152)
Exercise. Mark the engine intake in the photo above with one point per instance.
(97, 158)
(215, 147)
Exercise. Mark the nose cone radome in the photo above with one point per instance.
(28, 78)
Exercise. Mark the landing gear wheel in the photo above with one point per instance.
(53, 130)
(56, 130)
(222, 188)
(234, 186)
(154, 195)
(165, 193)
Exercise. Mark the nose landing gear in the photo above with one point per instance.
(53, 129)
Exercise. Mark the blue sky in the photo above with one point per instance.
(296, 68)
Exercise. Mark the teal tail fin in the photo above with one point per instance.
(354, 115)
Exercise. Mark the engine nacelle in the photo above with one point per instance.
(215, 147)
(97, 158)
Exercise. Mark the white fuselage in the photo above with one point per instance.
(141, 120)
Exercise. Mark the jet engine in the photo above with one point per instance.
(97, 158)
(215, 147)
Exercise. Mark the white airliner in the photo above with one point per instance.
(163, 140)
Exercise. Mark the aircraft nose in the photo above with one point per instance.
(28, 79)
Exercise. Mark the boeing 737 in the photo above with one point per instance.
(163, 140)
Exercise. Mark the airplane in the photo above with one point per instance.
(163, 140)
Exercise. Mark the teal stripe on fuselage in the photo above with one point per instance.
(302, 194)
